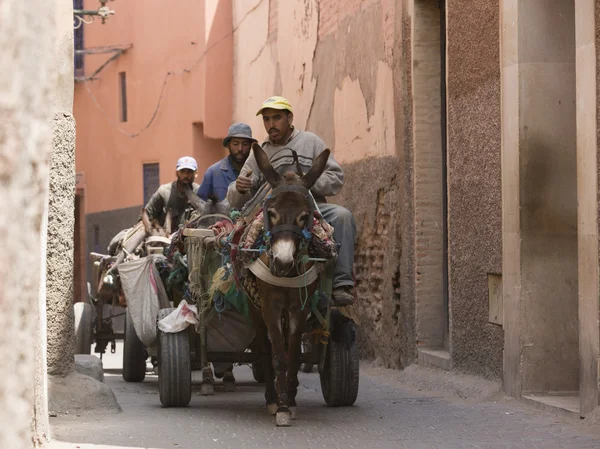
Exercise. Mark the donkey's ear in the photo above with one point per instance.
(318, 166)
(168, 221)
(264, 164)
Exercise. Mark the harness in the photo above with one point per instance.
(262, 271)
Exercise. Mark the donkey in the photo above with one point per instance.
(287, 212)
(153, 227)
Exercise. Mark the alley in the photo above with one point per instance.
(388, 414)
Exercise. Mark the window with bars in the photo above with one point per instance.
(123, 95)
(151, 181)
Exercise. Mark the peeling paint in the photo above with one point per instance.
(300, 20)
(357, 135)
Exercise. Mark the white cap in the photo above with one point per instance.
(187, 162)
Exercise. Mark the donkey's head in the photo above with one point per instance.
(153, 227)
(288, 210)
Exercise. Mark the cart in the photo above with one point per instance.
(332, 333)
(95, 316)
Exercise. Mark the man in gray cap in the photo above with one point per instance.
(218, 176)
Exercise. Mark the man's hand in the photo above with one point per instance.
(244, 183)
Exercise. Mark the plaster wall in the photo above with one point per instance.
(333, 61)
(540, 197)
(586, 18)
(27, 45)
(354, 113)
(178, 78)
(59, 250)
(474, 182)
(549, 198)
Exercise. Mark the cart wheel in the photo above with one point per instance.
(174, 366)
(84, 317)
(258, 372)
(134, 353)
(339, 379)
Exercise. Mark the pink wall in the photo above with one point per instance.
(164, 40)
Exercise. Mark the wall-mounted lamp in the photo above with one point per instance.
(103, 12)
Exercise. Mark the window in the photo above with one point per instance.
(123, 91)
(151, 181)
(78, 38)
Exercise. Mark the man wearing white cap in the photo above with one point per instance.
(174, 195)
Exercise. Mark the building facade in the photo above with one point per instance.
(468, 132)
(155, 84)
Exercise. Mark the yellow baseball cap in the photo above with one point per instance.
(275, 103)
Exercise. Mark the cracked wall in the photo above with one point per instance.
(333, 60)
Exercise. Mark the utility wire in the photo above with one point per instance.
(165, 81)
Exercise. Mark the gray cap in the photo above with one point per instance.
(240, 130)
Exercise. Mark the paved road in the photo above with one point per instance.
(386, 415)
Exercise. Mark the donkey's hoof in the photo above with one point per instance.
(229, 386)
(293, 412)
(207, 389)
(272, 409)
(283, 419)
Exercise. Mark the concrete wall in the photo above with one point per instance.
(587, 14)
(59, 255)
(28, 39)
(539, 197)
(474, 182)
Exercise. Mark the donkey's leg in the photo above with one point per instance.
(272, 317)
(297, 320)
(267, 364)
(263, 345)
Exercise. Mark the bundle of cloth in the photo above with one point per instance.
(234, 284)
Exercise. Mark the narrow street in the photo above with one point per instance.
(388, 414)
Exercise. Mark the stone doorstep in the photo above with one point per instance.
(434, 358)
(564, 403)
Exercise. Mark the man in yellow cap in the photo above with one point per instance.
(278, 120)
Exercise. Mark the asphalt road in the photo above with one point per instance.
(387, 414)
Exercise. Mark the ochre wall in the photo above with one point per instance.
(168, 46)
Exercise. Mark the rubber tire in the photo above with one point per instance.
(134, 353)
(258, 373)
(174, 366)
(340, 376)
(84, 320)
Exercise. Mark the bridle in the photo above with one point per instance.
(294, 228)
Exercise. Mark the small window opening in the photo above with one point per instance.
(123, 91)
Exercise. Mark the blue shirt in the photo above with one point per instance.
(216, 180)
